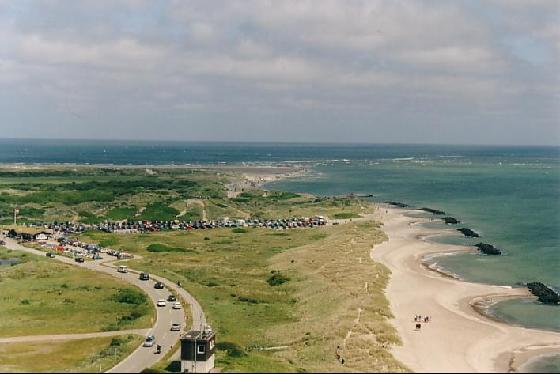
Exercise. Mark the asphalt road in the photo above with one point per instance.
(142, 357)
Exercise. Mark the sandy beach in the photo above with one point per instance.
(458, 338)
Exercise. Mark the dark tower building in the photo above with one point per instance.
(197, 351)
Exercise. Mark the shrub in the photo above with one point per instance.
(239, 230)
(249, 300)
(233, 349)
(130, 296)
(277, 279)
(345, 215)
(157, 247)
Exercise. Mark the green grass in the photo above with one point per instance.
(43, 296)
(121, 213)
(346, 215)
(158, 247)
(84, 355)
(159, 211)
(253, 294)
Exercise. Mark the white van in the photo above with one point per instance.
(122, 269)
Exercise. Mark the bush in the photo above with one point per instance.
(233, 349)
(345, 215)
(277, 279)
(130, 296)
(239, 230)
(157, 247)
(249, 300)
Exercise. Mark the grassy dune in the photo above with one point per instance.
(42, 296)
(85, 356)
(299, 290)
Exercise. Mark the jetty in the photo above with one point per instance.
(545, 294)
(468, 232)
(433, 211)
(488, 249)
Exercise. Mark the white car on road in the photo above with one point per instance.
(161, 302)
(177, 305)
(149, 342)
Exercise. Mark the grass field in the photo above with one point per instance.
(91, 195)
(42, 296)
(262, 288)
(279, 300)
(87, 355)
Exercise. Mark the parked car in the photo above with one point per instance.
(175, 327)
(79, 260)
(177, 305)
(50, 254)
(150, 340)
(161, 302)
(159, 286)
(144, 276)
(171, 298)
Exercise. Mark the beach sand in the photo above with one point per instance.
(458, 338)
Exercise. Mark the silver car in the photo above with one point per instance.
(150, 340)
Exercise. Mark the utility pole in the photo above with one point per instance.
(16, 211)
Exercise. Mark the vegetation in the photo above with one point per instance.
(259, 288)
(158, 247)
(84, 355)
(262, 290)
(277, 279)
(40, 296)
(346, 215)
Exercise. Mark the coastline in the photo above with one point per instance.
(460, 335)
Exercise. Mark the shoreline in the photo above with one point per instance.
(460, 335)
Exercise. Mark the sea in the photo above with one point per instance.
(508, 194)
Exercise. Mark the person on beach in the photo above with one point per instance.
(418, 326)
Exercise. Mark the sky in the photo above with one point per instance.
(454, 72)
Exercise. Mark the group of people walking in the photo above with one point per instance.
(419, 319)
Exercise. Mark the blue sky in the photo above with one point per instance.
(321, 71)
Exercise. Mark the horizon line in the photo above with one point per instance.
(281, 142)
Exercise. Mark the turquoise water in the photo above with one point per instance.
(548, 364)
(512, 201)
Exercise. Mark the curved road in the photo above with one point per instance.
(142, 357)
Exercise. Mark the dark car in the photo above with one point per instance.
(50, 254)
(144, 276)
(171, 298)
(159, 286)
(79, 259)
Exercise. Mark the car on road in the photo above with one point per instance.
(122, 269)
(175, 327)
(144, 276)
(171, 298)
(79, 260)
(177, 305)
(150, 340)
(161, 302)
(50, 254)
(159, 286)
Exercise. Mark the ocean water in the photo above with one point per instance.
(512, 198)
(510, 195)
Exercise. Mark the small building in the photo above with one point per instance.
(197, 351)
